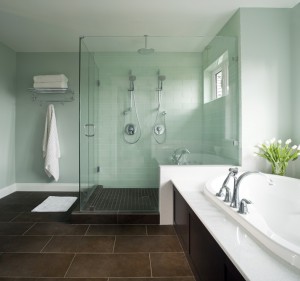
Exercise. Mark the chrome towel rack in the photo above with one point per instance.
(52, 95)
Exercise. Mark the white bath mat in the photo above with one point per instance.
(55, 204)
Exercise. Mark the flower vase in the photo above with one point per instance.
(279, 168)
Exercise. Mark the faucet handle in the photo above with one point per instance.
(220, 193)
(243, 209)
(234, 170)
(227, 194)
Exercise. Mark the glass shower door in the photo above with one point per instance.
(88, 93)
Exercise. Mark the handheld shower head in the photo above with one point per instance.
(131, 84)
(132, 78)
(161, 77)
(146, 51)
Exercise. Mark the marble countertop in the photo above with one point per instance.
(252, 259)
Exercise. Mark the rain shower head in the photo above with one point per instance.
(146, 51)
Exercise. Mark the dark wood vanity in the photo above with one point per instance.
(208, 261)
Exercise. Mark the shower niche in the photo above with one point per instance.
(148, 105)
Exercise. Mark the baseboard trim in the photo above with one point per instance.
(8, 190)
(57, 187)
(35, 187)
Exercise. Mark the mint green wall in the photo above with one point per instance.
(30, 118)
(295, 73)
(265, 79)
(136, 165)
(7, 115)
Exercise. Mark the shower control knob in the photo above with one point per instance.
(159, 129)
(130, 129)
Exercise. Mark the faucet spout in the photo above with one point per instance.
(178, 154)
(235, 202)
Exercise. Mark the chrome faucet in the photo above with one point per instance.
(235, 202)
(178, 154)
(232, 174)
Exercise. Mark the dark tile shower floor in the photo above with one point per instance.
(123, 200)
(46, 247)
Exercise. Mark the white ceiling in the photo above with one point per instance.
(56, 25)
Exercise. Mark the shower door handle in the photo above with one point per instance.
(87, 130)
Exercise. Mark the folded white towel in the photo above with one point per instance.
(39, 85)
(51, 150)
(50, 78)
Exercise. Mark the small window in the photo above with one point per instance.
(219, 83)
(216, 79)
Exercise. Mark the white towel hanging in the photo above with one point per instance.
(51, 150)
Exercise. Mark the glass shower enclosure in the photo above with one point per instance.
(148, 101)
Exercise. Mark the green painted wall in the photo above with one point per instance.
(7, 115)
(30, 118)
(265, 80)
(295, 73)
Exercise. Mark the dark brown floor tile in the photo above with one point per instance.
(129, 244)
(110, 265)
(169, 264)
(34, 265)
(10, 208)
(26, 201)
(153, 279)
(81, 244)
(57, 229)
(23, 244)
(117, 230)
(6, 217)
(54, 279)
(160, 230)
(14, 228)
(41, 217)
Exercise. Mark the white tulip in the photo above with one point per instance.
(272, 140)
(298, 148)
(294, 146)
(288, 141)
(267, 143)
(279, 141)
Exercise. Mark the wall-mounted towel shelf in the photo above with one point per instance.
(52, 95)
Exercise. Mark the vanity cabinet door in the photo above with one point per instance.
(181, 220)
(231, 273)
(206, 255)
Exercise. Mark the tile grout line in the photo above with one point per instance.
(12, 220)
(150, 265)
(70, 265)
(41, 251)
(34, 224)
(87, 230)
(113, 251)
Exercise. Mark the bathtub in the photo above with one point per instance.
(274, 215)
